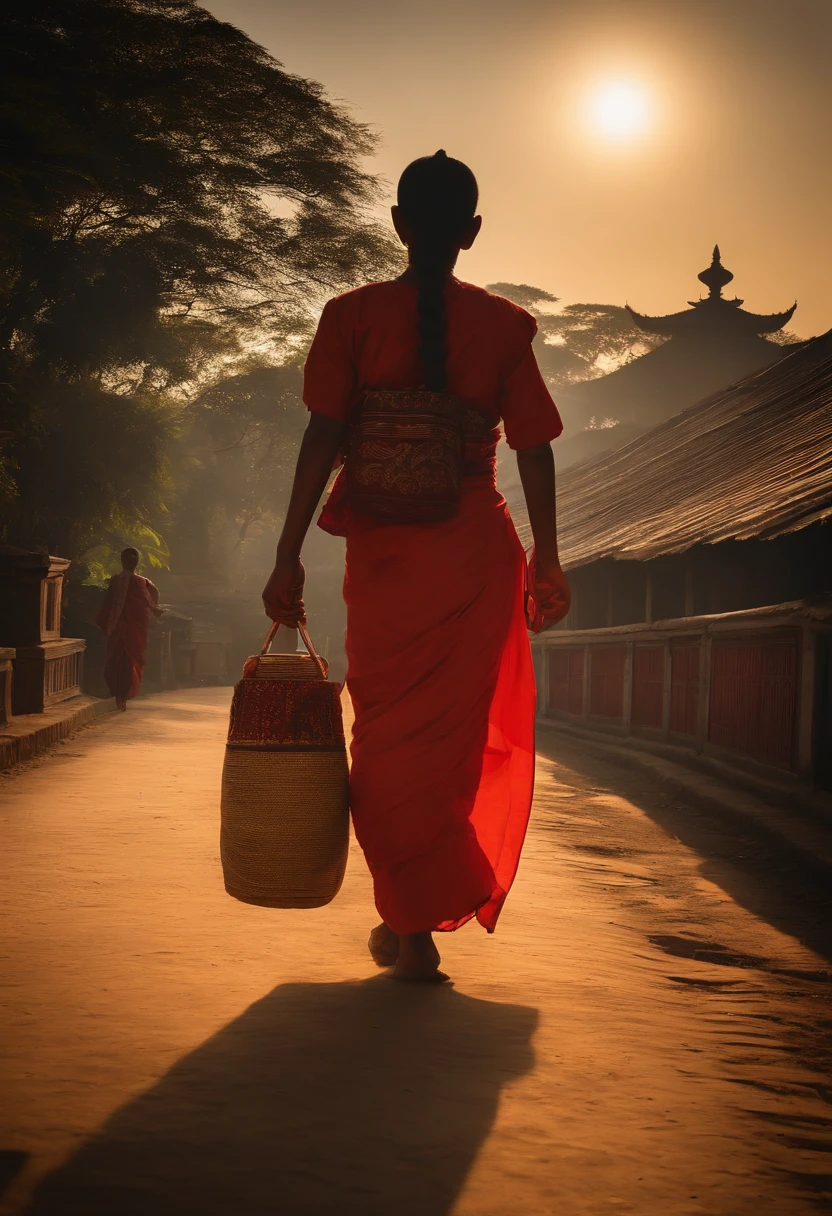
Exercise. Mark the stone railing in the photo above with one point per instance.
(47, 674)
(6, 670)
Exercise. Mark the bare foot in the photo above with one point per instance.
(384, 945)
(418, 960)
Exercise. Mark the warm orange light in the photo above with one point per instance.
(619, 110)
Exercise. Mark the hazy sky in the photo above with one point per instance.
(735, 147)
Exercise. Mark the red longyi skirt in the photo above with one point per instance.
(441, 679)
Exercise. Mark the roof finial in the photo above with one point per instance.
(716, 276)
(714, 312)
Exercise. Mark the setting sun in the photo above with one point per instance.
(619, 110)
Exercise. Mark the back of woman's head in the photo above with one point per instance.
(437, 197)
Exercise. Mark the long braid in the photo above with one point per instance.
(431, 273)
(438, 196)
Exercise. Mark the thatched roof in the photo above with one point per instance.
(753, 460)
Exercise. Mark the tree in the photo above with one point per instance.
(580, 341)
(174, 201)
(785, 337)
(238, 456)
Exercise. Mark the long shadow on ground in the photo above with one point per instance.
(765, 879)
(353, 1098)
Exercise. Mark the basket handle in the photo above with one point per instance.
(305, 638)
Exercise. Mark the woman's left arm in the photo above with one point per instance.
(536, 466)
(283, 593)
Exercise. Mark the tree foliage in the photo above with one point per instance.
(174, 205)
(578, 341)
(785, 337)
(239, 453)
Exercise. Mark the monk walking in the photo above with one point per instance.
(124, 617)
(440, 671)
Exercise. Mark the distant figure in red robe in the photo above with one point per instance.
(124, 617)
(440, 671)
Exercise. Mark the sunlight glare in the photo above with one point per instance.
(619, 110)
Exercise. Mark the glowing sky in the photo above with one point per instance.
(615, 141)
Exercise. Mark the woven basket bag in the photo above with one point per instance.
(285, 786)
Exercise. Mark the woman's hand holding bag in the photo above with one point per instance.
(283, 593)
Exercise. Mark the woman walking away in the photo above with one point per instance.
(440, 670)
(124, 616)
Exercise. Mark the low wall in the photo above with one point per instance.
(25, 736)
(743, 686)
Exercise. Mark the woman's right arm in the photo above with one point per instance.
(283, 593)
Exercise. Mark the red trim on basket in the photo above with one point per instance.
(286, 713)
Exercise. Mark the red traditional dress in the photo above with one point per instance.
(124, 616)
(439, 664)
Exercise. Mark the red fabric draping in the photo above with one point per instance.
(440, 669)
(126, 632)
(441, 679)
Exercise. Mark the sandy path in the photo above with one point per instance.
(168, 1050)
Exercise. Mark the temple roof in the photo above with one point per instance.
(753, 460)
(714, 313)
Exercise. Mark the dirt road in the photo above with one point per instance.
(644, 1034)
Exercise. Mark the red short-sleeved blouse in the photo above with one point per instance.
(368, 339)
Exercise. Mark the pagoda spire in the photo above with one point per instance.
(713, 314)
(716, 276)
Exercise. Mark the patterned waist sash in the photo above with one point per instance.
(480, 451)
